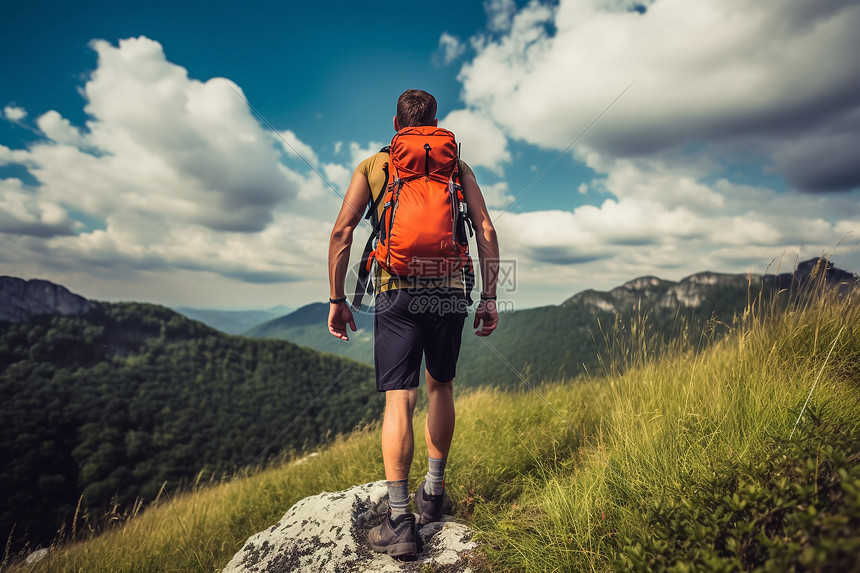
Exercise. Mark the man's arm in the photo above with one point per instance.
(354, 202)
(486, 314)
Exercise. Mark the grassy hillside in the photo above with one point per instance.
(695, 461)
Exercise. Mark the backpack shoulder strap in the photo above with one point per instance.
(363, 282)
(373, 205)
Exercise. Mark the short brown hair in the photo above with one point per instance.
(416, 107)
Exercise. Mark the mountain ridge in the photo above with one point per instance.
(692, 291)
(22, 299)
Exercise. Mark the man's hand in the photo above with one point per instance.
(339, 315)
(487, 316)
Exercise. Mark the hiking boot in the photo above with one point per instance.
(431, 507)
(396, 537)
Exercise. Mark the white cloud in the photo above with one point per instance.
(170, 173)
(654, 180)
(337, 175)
(450, 48)
(59, 129)
(497, 195)
(711, 71)
(24, 213)
(357, 153)
(663, 219)
(10, 156)
(482, 142)
(14, 113)
(205, 159)
(499, 14)
(292, 249)
(297, 148)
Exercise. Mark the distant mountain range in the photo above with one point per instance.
(233, 321)
(307, 327)
(560, 341)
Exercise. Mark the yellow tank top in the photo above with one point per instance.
(372, 169)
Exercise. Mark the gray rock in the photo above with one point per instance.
(652, 292)
(692, 291)
(36, 556)
(21, 300)
(328, 533)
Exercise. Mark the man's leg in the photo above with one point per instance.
(431, 499)
(397, 447)
(396, 535)
(397, 439)
(439, 429)
(441, 350)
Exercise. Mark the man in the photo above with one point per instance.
(413, 318)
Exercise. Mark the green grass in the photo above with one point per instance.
(683, 445)
(691, 461)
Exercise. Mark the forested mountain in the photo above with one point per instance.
(307, 326)
(557, 342)
(563, 341)
(233, 321)
(120, 399)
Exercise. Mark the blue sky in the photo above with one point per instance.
(130, 168)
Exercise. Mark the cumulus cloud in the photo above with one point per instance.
(450, 49)
(483, 143)
(24, 213)
(11, 156)
(297, 148)
(661, 218)
(497, 195)
(198, 136)
(711, 72)
(499, 14)
(59, 129)
(169, 173)
(338, 175)
(359, 153)
(14, 113)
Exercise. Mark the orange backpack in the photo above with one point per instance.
(422, 229)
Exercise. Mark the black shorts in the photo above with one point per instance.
(409, 323)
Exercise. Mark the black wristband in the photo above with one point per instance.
(337, 300)
(488, 297)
